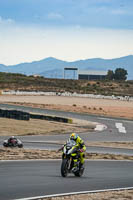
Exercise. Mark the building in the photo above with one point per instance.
(36, 75)
(71, 69)
(92, 75)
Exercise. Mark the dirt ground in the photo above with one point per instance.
(116, 108)
(112, 195)
(10, 127)
(27, 154)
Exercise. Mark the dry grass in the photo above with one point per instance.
(126, 145)
(41, 127)
(27, 154)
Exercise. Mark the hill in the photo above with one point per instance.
(9, 81)
(53, 68)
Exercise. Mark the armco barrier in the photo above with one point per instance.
(20, 115)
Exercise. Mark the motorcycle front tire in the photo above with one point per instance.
(64, 167)
(20, 145)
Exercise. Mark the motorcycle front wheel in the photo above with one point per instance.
(20, 145)
(64, 167)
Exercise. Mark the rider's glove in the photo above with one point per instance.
(60, 149)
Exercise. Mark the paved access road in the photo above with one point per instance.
(21, 179)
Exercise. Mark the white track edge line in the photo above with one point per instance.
(74, 193)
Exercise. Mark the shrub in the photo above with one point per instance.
(100, 108)
(74, 105)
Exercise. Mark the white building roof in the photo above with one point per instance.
(92, 72)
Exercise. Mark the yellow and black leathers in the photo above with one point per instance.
(81, 146)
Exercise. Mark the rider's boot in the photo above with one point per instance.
(76, 167)
(81, 166)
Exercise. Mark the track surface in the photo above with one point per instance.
(21, 179)
(35, 178)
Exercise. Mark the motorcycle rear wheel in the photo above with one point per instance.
(80, 172)
(5, 144)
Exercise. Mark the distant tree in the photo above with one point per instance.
(110, 75)
(120, 74)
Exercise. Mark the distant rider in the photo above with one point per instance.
(12, 139)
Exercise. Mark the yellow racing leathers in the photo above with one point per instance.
(80, 144)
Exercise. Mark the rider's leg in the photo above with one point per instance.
(82, 155)
(75, 162)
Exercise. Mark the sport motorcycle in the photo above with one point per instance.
(70, 152)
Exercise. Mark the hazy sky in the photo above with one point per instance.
(65, 29)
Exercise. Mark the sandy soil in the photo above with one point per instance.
(26, 154)
(114, 195)
(126, 145)
(105, 107)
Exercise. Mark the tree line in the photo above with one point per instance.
(118, 74)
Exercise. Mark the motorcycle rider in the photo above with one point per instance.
(12, 139)
(82, 148)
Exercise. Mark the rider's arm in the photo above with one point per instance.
(82, 145)
(61, 148)
(84, 148)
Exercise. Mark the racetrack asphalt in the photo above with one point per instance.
(21, 179)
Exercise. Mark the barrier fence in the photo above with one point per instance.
(20, 115)
(14, 114)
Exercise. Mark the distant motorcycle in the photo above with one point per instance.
(14, 143)
(69, 153)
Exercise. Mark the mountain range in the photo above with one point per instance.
(54, 68)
